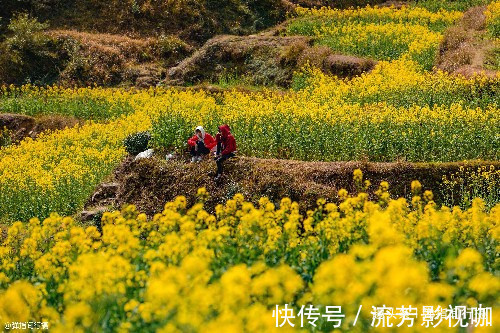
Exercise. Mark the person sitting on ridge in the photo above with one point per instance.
(201, 143)
(226, 148)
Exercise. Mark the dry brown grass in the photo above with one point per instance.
(132, 49)
(346, 65)
(314, 56)
(456, 49)
(108, 59)
(54, 123)
(474, 19)
(465, 46)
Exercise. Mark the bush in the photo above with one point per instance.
(25, 55)
(171, 49)
(136, 143)
(266, 12)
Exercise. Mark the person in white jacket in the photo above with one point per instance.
(201, 143)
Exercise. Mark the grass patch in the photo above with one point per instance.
(458, 5)
(45, 101)
(492, 59)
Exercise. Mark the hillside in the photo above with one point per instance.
(148, 43)
(88, 42)
(191, 20)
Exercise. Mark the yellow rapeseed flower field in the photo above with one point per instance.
(188, 270)
(59, 170)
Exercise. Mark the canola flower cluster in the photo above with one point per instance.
(59, 170)
(461, 187)
(393, 112)
(437, 20)
(188, 270)
(400, 83)
(493, 19)
(384, 33)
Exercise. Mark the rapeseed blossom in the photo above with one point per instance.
(187, 269)
(492, 14)
(386, 33)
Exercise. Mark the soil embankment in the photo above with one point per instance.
(21, 126)
(264, 59)
(150, 183)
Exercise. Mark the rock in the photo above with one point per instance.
(145, 154)
(346, 65)
(105, 193)
(94, 214)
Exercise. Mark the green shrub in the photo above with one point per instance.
(265, 12)
(460, 5)
(171, 49)
(136, 143)
(25, 54)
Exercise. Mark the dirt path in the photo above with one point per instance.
(466, 46)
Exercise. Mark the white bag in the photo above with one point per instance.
(145, 154)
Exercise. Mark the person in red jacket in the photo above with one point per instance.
(226, 147)
(201, 143)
